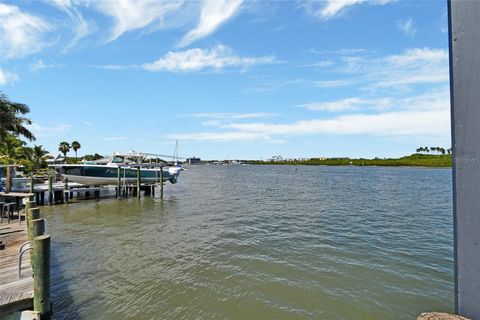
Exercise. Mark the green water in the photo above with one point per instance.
(260, 242)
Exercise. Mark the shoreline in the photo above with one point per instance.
(414, 160)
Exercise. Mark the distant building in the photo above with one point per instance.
(52, 159)
(194, 160)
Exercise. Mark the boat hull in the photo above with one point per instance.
(108, 175)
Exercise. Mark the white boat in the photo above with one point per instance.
(121, 165)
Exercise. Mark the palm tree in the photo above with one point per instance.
(426, 149)
(11, 149)
(11, 120)
(75, 146)
(38, 156)
(64, 147)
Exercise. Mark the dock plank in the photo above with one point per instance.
(16, 293)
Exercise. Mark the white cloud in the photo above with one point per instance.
(414, 66)
(213, 14)
(422, 123)
(7, 77)
(20, 33)
(420, 116)
(133, 15)
(50, 130)
(198, 59)
(354, 103)
(274, 84)
(231, 116)
(220, 136)
(40, 65)
(407, 27)
(330, 8)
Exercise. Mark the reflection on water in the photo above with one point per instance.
(261, 242)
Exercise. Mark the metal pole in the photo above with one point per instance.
(464, 43)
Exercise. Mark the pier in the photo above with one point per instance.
(25, 266)
(64, 192)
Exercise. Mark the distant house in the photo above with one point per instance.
(194, 160)
(52, 159)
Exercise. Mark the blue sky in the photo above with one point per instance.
(231, 79)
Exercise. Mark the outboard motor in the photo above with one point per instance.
(174, 172)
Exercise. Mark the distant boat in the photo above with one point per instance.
(105, 171)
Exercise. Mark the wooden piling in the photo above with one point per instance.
(41, 280)
(119, 183)
(139, 181)
(29, 205)
(65, 188)
(32, 186)
(37, 227)
(50, 190)
(161, 183)
(31, 214)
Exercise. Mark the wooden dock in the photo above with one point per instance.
(15, 293)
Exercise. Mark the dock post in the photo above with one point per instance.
(50, 190)
(32, 187)
(29, 205)
(65, 188)
(161, 183)
(32, 214)
(139, 181)
(38, 227)
(119, 183)
(41, 279)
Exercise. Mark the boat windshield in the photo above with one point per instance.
(118, 159)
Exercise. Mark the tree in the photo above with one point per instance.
(92, 157)
(426, 149)
(11, 148)
(38, 156)
(11, 119)
(64, 147)
(75, 146)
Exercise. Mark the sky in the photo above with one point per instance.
(231, 79)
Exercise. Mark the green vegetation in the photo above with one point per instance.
(64, 147)
(12, 121)
(75, 146)
(415, 160)
(13, 124)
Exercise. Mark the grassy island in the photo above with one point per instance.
(414, 160)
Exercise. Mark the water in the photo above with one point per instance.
(261, 242)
